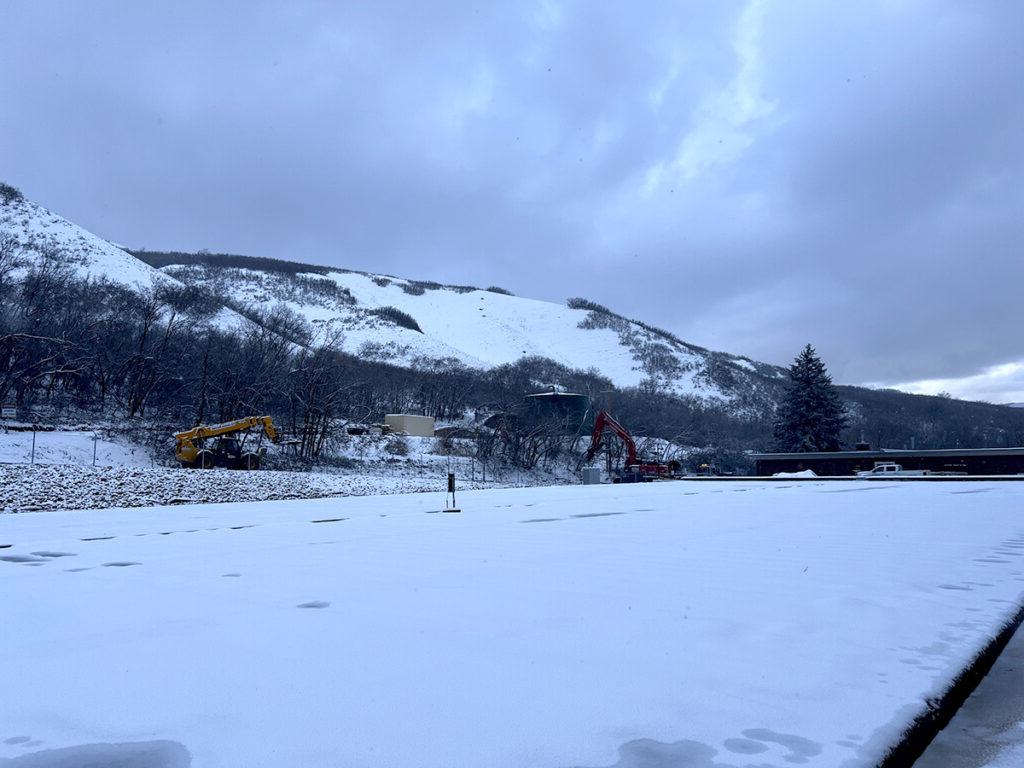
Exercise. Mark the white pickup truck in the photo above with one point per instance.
(890, 469)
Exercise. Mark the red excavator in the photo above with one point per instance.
(634, 470)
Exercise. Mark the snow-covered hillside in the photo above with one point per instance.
(39, 234)
(477, 328)
(40, 231)
(485, 328)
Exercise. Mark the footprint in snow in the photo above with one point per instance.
(314, 604)
(23, 559)
(744, 746)
(230, 575)
(800, 749)
(120, 564)
(54, 554)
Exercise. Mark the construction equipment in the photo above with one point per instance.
(634, 470)
(229, 444)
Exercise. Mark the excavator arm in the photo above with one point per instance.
(633, 469)
(604, 421)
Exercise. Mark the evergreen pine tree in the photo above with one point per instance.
(811, 415)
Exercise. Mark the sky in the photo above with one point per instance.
(751, 175)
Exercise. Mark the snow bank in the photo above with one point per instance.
(802, 473)
(684, 623)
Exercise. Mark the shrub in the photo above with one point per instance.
(592, 306)
(397, 446)
(413, 289)
(382, 282)
(502, 291)
(10, 194)
(443, 445)
(398, 317)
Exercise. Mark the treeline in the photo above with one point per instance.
(887, 418)
(160, 259)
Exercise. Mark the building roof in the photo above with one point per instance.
(893, 453)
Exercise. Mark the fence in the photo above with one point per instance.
(81, 447)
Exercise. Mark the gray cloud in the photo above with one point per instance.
(752, 175)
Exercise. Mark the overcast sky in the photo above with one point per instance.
(752, 175)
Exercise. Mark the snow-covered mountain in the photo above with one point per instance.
(416, 323)
(40, 234)
(411, 323)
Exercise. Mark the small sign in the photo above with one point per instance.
(8, 412)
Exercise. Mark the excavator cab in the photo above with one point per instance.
(229, 446)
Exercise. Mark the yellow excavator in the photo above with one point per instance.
(225, 445)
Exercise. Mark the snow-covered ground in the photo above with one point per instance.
(682, 624)
(43, 488)
(70, 447)
(126, 474)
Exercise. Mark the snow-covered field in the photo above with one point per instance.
(683, 624)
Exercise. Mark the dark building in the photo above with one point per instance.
(970, 461)
(562, 412)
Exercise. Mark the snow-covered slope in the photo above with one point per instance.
(39, 233)
(477, 328)
(483, 329)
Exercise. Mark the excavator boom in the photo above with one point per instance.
(605, 421)
(634, 469)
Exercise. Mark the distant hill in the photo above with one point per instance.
(406, 322)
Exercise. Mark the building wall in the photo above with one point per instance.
(417, 426)
(1006, 464)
